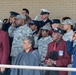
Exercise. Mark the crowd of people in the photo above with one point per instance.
(34, 42)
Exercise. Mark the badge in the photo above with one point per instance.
(60, 53)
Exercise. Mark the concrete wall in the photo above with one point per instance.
(58, 8)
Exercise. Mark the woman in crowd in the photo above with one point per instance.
(26, 57)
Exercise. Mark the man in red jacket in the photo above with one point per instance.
(57, 52)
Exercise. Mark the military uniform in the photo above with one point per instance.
(19, 34)
(43, 22)
(42, 47)
(67, 37)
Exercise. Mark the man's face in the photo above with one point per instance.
(19, 22)
(44, 17)
(24, 13)
(33, 27)
(65, 27)
(55, 25)
(55, 36)
(26, 45)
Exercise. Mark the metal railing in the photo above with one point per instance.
(38, 67)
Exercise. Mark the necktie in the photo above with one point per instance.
(55, 45)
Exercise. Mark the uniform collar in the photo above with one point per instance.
(34, 30)
(45, 38)
(23, 26)
(69, 33)
(45, 20)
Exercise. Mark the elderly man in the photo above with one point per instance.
(57, 54)
(18, 33)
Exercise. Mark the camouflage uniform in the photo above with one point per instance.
(18, 35)
(42, 47)
(67, 37)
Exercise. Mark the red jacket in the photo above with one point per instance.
(63, 60)
(4, 48)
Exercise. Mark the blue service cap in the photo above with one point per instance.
(34, 22)
(13, 14)
(55, 21)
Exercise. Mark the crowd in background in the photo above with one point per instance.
(34, 42)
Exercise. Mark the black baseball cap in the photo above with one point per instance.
(58, 30)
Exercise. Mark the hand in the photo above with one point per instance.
(2, 69)
(37, 17)
(38, 33)
(73, 38)
(50, 62)
(13, 24)
(13, 21)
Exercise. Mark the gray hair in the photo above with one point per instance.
(31, 40)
